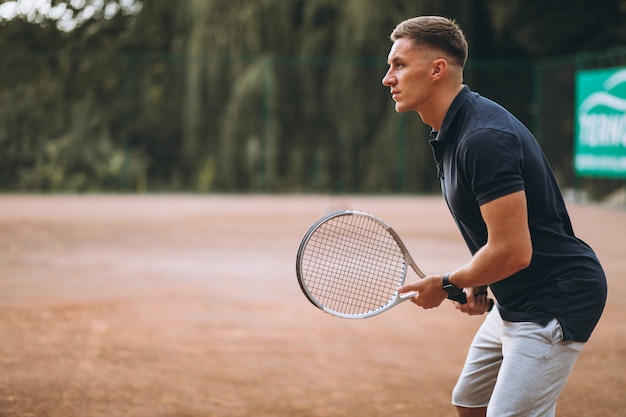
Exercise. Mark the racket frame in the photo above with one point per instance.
(395, 300)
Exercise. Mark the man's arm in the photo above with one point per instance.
(508, 250)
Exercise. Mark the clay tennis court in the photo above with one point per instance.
(189, 306)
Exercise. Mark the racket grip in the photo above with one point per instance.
(459, 298)
(462, 298)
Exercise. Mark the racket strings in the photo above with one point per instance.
(352, 265)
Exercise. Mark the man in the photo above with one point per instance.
(549, 286)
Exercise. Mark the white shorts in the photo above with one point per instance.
(516, 369)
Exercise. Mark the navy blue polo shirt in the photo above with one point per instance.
(483, 152)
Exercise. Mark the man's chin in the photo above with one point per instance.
(401, 109)
(404, 109)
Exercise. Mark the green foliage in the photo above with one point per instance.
(69, 164)
(266, 95)
(544, 29)
(206, 177)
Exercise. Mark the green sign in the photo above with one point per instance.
(600, 147)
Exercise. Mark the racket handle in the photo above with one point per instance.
(462, 298)
(459, 298)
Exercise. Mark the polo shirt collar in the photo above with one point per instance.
(458, 101)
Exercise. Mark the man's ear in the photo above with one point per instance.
(439, 68)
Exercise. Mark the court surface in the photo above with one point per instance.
(189, 306)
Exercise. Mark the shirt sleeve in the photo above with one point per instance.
(492, 162)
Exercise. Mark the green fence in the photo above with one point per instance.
(146, 122)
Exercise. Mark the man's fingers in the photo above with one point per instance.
(410, 287)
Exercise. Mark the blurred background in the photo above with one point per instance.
(271, 96)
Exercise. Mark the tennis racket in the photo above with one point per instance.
(350, 264)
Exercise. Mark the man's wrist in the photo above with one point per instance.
(454, 293)
(450, 288)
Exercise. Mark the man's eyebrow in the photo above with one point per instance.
(393, 59)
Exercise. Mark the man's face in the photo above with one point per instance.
(409, 75)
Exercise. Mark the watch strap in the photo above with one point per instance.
(454, 292)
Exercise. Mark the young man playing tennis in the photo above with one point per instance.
(549, 286)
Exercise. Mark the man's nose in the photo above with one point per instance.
(387, 79)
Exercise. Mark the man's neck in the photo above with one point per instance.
(439, 108)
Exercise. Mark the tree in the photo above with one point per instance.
(266, 95)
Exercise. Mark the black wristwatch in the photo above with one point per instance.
(454, 292)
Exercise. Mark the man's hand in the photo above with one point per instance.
(477, 302)
(430, 292)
